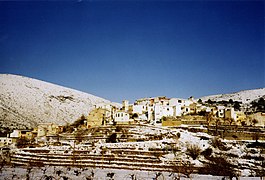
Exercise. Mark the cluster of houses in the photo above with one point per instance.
(41, 133)
(156, 110)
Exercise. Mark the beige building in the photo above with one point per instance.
(26, 134)
(240, 116)
(4, 141)
(97, 117)
(260, 117)
(47, 129)
(230, 113)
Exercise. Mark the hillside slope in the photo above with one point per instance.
(246, 96)
(25, 102)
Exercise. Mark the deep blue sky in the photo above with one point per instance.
(128, 50)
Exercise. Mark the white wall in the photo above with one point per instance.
(121, 116)
(15, 134)
(151, 110)
(161, 111)
(177, 110)
(139, 109)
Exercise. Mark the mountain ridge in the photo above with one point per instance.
(244, 96)
(25, 102)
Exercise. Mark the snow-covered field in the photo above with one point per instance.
(67, 173)
(170, 152)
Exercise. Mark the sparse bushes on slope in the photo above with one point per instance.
(217, 143)
(185, 167)
(178, 135)
(219, 166)
(112, 138)
(193, 151)
(80, 135)
(79, 122)
(207, 152)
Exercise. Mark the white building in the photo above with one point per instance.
(139, 109)
(177, 110)
(162, 110)
(15, 134)
(125, 105)
(182, 105)
(221, 111)
(122, 117)
(150, 113)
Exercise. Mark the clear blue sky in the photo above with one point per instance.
(128, 50)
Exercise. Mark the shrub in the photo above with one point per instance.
(185, 167)
(260, 172)
(207, 152)
(219, 166)
(193, 151)
(234, 136)
(178, 134)
(112, 138)
(217, 143)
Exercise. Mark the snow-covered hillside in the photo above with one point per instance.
(245, 96)
(24, 102)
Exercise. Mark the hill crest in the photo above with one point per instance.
(25, 102)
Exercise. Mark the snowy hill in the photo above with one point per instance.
(245, 96)
(24, 102)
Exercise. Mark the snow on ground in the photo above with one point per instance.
(173, 148)
(192, 139)
(26, 101)
(97, 174)
(245, 96)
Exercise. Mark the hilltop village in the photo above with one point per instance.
(158, 134)
(217, 118)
